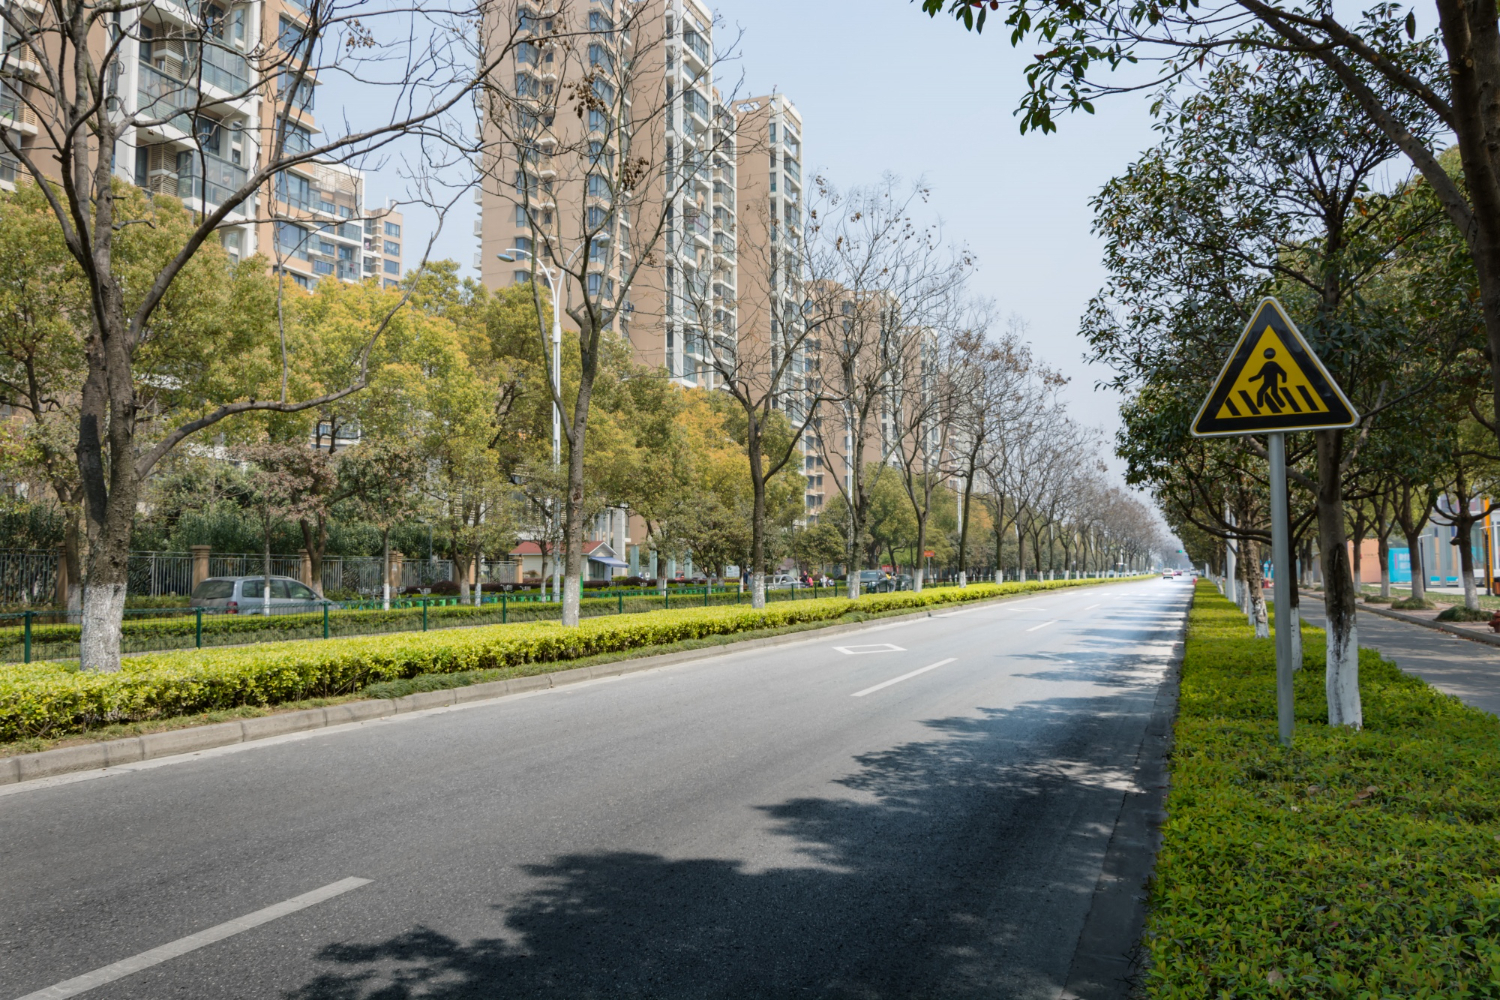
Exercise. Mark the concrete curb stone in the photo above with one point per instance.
(90, 756)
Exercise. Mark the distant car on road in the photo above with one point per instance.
(1166, 574)
(246, 595)
(874, 581)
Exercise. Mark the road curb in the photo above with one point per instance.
(92, 756)
(1463, 633)
(1106, 963)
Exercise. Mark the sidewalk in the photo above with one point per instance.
(1465, 669)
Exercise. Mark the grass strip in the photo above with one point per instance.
(1358, 864)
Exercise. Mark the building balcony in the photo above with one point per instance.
(220, 180)
(160, 96)
(16, 115)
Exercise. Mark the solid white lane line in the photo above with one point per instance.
(903, 677)
(1042, 625)
(1091, 607)
(192, 942)
(875, 647)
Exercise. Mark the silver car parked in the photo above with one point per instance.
(245, 595)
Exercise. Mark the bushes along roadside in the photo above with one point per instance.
(1355, 864)
(49, 699)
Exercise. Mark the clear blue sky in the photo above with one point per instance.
(883, 88)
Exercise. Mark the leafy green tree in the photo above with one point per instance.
(1262, 183)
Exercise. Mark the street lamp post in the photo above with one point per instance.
(511, 256)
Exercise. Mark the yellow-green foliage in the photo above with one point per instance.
(1356, 864)
(46, 699)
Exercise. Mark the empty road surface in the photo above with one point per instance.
(916, 810)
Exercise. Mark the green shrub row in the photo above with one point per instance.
(1358, 864)
(50, 699)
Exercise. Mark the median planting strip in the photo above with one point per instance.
(1354, 864)
(50, 700)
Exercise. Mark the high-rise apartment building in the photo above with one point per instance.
(770, 221)
(551, 179)
(190, 65)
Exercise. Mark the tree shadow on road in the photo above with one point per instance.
(959, 866)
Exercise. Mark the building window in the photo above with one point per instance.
(298, 140)
(393, 267)
(294, 190)
(595, 281)
(292, 239)
(391, 284)
(520, 277)
(393, 229)
(322, 267)
(599, 21)
(598, 121)
(394, 249)
(292, 37)
(297, 93)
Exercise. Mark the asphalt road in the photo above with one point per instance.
(754, 825)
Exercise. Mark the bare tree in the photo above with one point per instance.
(991, 384)
(601, 157)
(768, 377)
(874, 273)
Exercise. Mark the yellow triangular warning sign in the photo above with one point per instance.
(1272, 382)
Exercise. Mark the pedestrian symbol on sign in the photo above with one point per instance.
(1271, 375)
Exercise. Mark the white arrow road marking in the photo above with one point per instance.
(903, 677)
(876, 647)
(156, 956)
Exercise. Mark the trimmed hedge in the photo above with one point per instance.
(143, 634)
(50, 699)
(1358, 864)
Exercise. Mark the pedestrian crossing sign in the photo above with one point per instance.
(1272, 382)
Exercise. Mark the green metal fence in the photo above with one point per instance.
(54, 635)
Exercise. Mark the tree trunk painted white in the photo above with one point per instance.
(572, 596)
(265, 590)
(758, 589)
(385, 571)
(1262, 620)
(1296, 627)
(963, 579)
(916, 579)
(102, 614)
(853, 590)
(1342, 680)
(1466, 568)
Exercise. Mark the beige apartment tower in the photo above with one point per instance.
(550, 160)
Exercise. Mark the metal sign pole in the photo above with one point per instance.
(1281, 561)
